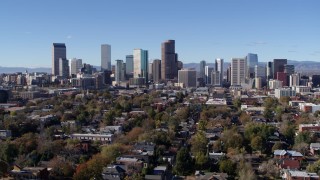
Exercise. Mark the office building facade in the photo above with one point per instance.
(105, 57)
(238, 71)
(219, 67)
(156, 71)
(59, 50)
(169, 60)
(75, 66)
(278, 66)
(187, 77)
(140, 64)
(208, 72)
(252, 61)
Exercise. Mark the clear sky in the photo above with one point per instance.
(203, 29)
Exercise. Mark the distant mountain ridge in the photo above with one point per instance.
(300, 66)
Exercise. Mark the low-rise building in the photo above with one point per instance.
(105, 138)
(309, 107)
(284, 92)
(309, 127)
(299, 175)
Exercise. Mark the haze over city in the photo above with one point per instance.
(202, 30)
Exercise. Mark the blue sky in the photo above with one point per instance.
(204, 29)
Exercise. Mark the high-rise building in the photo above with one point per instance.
(269, 70)
(140, 64)
(215, 78)
(238, 71)
(229, 74)
(258, 83)
(59, 50)
(120, 71)
(252, 61)
(150, 71)
(208, 72)
(282, 76)
(105, 57)
(294, 80)
(169, 61)
(278, 66)
(129, 65)
(63, 67)
(156, 70)
(187, 77)
(202, 69)
(260, 71)
(75, 66)
(219, 67)
(289, 69)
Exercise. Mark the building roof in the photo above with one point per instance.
(282, 152)
(315, 145)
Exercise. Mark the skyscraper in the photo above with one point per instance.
(75, 66)
(156, 70)
(187, 77)
(219, 67)
(202, 70)
(208, 72)
(289, 69)
(63, 67)
(120, 71)
(105, 57)
(169, 61)
(260, 71)
(252, 61)
(269, 70)
(140, 64)
(215, 78)
(129, 65)
(278, 66)
(238, 71)
(59, 50)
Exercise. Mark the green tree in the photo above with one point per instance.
(227, 166)
(184, 163)
(276, 146)
(201, 160)
(199, 143)
(237, 103)
(7, 152)
(257, 143)
(315, 167)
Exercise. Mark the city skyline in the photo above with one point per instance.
(202, 31)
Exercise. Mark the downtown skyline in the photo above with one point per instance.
(202, 31)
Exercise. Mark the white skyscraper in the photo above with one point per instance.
(208, 72)
(105, 57)
(75, 66)
(215, 78)
(238, 71)
(140, 64)
(219, 67)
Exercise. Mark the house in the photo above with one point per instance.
(315, 148)
(283, 154)
(288, 163)
(299, 175)
(144, 148)
(29, 172)
(113, 172)
(5, 134)
(153, 177)
(309, 127)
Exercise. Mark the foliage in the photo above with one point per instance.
(231, 139)
(199, 143)
(245, 171)
(184, 163)
(227, 166)
(257, 143)
(315, 167)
